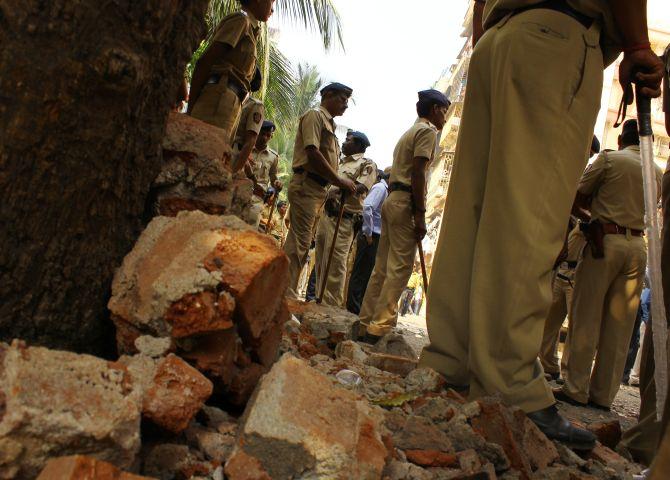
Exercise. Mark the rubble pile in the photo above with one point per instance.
(196, 174)
(211, 288)
(220, 377)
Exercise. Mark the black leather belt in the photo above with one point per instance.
(312, 176)
(238, 89)
(395, 186)
(560, 6)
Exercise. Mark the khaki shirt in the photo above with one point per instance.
(240, 31)
(264, 165)
(316, 128)
(419, 141)
(576, 244)
(599, 10)
(361, 170)
(251, 119)
(614, 181)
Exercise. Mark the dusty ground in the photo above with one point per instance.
(625, 408)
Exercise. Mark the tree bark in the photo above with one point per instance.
(85, 90)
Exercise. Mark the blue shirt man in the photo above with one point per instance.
(372, 209)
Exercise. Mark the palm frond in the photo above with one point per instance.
(281, 85)
(319, 16)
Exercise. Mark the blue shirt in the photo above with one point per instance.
(372, 208)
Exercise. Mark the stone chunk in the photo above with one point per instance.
(431, 458)
(79, 467)
(299, 424)
(195, 174)
(153, 346)
(330, 325)
(608, 433)
(196, 278)
(351, 351)
(395, 344)
(176, 394)
(59, 403)
(420, 433)
(391, 363)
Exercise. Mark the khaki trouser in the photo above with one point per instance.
(218, 105)
(642, 439)
(393, 265)
(604, 308)
(334, 291)
(306, 198)
(534, 87)
(560, 306)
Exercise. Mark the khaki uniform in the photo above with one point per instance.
(251, 120)
(263, 165)
(562, 289)
(363, 171)
(397, 244)
(607, 290)
(511, 191)
(218, 104)
(306, 196)
(278, 227)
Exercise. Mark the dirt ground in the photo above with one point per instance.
(626, 404)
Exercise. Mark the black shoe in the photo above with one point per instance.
(561, 396)
(552, 376)
(555, 427)
(593, 404)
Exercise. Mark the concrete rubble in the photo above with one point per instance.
(195, 174)
(212, 287)
(219, 376)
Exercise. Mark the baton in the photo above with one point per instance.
(423, 268)
(268, 228)
(324, 279)
(659, 324)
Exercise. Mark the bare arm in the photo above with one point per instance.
(631, 18)
(321, 167)
(419, 165)
(247, 147)
(203, 70)
(478, 21)
(581, 206)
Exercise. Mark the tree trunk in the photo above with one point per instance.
(85, 90)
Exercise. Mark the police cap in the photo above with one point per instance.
(337, 87)
(434, 96)
(268, 125)
(361, 137)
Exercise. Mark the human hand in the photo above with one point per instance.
(420, 225)
(278, 185)
(347, 185)
(645, 69)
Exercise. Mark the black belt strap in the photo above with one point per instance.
(312, 176)
(560, 6)
(238, 89)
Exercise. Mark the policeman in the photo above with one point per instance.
(534, 87)
(262, 168)
(222, 77)
(276, 226)
(607, 290)
(315, 160)
(403, 216)
(363, 172)
(248, 129)
(562, 288)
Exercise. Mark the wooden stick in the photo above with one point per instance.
(324, 279)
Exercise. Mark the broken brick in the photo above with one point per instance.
(79, 467)
(200, 313)
(300, 409)
(391, 363)
(608, 433)
(177, 393)
(431, 458)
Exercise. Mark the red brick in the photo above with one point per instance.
(178, 392)
(541, 451)
(392, 363)
(608, 433)
(79, 467)
(607, 457)
(199, 313)
(431, 458)
(245, 467)
(496, 424)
